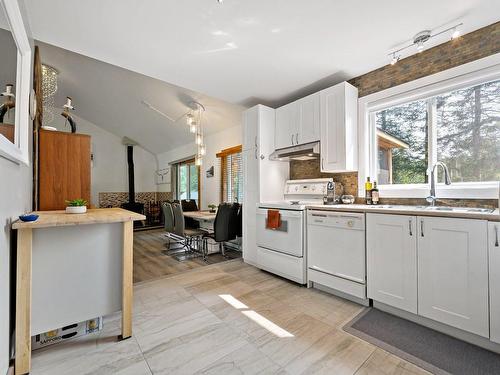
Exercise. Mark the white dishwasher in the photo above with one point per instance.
(336, 251)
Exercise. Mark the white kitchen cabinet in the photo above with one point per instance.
(453, 272)
(287, 125)
(338, 130)
(298, 122)
(494, 266)
(309, 119)
(263, 180)
(391, 251)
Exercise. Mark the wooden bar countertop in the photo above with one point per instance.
(48, 219)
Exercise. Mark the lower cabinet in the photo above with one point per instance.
(453, 272)
(494, 255)
(391, 253)
(436, 268)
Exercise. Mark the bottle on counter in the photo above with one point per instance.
(368, 191)
(375, 193)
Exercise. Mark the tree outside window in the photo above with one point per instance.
(461, 128)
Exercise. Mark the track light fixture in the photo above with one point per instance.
(421, 38)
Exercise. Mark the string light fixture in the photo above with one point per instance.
(194, 121)
(421, 38)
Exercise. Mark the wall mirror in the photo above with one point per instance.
(15, 83)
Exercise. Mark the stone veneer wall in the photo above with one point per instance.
(473, 46)
(116, 199)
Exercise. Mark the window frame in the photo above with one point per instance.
(466, 75)
(222, 155)
(188, 163)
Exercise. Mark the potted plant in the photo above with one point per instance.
(76, 206)
(212, 208)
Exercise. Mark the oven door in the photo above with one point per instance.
(288, 238)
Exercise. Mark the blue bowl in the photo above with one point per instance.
(28, 217)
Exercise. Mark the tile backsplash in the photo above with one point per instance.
(116, 199)
(311, 169)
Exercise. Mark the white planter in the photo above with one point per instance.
(76, 209)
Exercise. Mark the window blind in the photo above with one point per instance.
(231, 175)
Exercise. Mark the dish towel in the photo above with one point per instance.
(273, 219)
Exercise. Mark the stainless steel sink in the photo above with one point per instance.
(459, 209)
(442, 208)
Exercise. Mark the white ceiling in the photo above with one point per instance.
(247, 51)
(110, 97)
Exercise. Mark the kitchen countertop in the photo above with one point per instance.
(408, 210)
(92, 216)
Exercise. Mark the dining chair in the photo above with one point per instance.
(225, 227)
(169, 223)
(190, 236)
(190, 205)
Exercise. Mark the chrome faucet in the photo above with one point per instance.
(431, 199)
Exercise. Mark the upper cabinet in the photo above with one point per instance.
(339, 138)
(328, 116)
(298, 122)
(286, 125)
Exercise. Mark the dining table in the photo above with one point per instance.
(205, 218)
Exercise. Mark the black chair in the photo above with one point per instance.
(169, 220)
(190, 205)
(225, 227)
(240, 222)
(190, 237)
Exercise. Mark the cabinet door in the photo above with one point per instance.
(338, 130)
(250, 128)
(494, 259)
(392, 260)
(453, 272)
(286, 125)
(250, 199)
(64, 172)
(308, 112)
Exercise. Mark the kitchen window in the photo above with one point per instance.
(231, 174)
(452, 116)
(460, 128)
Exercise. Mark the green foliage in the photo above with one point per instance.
(468, 134)
(77, 202)
(212, 206)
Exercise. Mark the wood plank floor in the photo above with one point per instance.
(151, 260)
(227, 318)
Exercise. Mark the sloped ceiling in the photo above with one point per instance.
(110, 97)
(247, 51)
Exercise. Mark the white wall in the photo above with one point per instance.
(210, 187)
(109, 170)
(15, 199)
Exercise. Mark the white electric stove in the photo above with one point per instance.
(282, 250)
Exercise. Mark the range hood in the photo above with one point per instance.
(307, 151)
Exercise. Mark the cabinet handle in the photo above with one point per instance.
(292, 139)
(255, 152)
(297, 138)
(409, 227)
(322, 164)
(496, 236)
(422, 228)
(255, 142)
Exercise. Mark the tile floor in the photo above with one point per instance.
(228, 318)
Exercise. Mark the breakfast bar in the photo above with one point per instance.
(70, 268)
